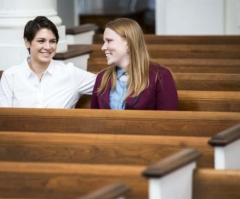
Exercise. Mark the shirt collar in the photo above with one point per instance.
(120, 72)
(48, 70)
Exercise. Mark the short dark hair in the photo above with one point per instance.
(38, 23)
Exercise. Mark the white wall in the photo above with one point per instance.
(232, 17)
(188, 17)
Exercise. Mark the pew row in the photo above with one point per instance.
(183, 51)
(165, 123)
(61, 181)
(231, 66)
(98, 148)
(179, 174)
(183, 39)
(219, 101)
(117, 149)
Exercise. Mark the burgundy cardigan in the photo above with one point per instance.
(161, 94)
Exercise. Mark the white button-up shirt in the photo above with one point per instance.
(60, 87)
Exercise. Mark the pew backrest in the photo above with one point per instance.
(194, 100)
(98, 148)
(190, 39)
(166, 123)
(183, 51)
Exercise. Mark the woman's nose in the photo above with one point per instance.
(103, 47)
(47, 45)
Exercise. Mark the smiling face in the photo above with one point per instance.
(115, 48)
(42, 47)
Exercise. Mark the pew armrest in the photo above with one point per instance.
(226, 147)
(81, 34)
(172, 177)
(112, 191)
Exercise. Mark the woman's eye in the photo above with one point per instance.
(40, 41)
(53, 41)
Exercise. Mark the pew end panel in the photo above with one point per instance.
(172, 177)
(226, 148)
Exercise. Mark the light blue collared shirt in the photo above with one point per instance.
(117, 96)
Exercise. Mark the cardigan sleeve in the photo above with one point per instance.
(94, 99)
(167, 96)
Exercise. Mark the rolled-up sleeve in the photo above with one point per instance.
(6, 90)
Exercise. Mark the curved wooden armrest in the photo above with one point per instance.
(226, 137)
(111, 191)
(172, 163)
(81, 29)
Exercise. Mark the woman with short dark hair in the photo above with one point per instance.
(40, 81)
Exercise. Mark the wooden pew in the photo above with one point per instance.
(179, 174)
(118, 149)
(226, 148)
(95, 148)
(183, 51)
(183, 39)
(166, 123)
(207, 81)
(220, 101)
(61, 181)
(182, 65)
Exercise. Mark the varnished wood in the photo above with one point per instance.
(183, 39)
(181, 65)
(81, 29)
(98, 148)
(112, 191)
(172, 163)
(226, 137)
(183, 51)
(61, 181)
(207, 81)
(73, 51)
(167, 123)
(216, 184)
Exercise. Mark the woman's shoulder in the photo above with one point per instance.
(15, 69)
(101, 73)
(158, 68)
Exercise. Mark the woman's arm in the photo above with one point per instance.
(167, 97)
(94, 100)
(6, 90)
